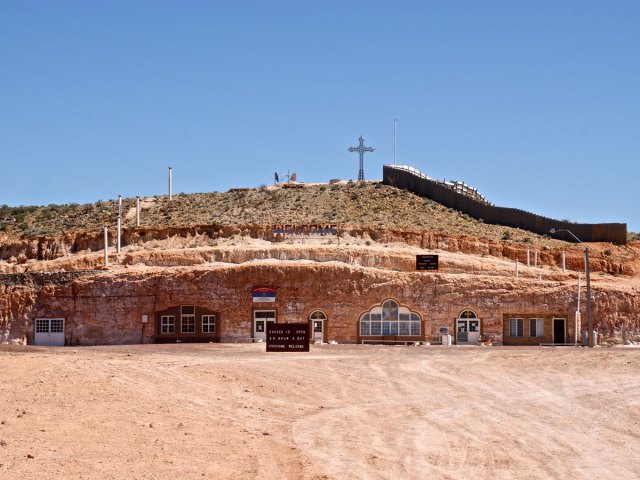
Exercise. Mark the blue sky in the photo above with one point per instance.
(535, 103)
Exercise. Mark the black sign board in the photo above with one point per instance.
(426, 262)
(287, 337)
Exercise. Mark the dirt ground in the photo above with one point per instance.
(339, 412)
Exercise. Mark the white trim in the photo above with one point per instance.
(516, 335)
(317, 310)
(467, 310)
(262, 335)
(172, 324)
(208, 317)
(378, 310)
(538, 322)
(472, 337)
(48, 334)
(182, 318)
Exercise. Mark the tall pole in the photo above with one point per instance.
(119, 205)
(394, 140)
(170, 193)
(137, 211)
(587, 271)
(119, 230)
(106, 245)
(564, 261)
(589, 319)
(577, 327)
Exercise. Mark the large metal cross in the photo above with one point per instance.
(361, 149)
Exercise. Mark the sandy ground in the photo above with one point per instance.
(339, 412)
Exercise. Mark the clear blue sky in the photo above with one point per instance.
(535, 103)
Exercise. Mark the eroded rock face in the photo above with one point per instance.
(107, 307)
(618, 260)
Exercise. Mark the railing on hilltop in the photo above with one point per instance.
(454, 185)
(409, 178)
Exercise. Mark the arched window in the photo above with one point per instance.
(468, 314)
(317, 315)
(390, 319)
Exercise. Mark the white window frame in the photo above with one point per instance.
(538, 325)
(317, 315)
(42, 325)
(377, 323)
(192, 323)
(208, 323)
(519, 326)
(167, 321)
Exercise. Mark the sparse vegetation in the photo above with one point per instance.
(351, 204)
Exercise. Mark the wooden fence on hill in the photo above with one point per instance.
(410, 179)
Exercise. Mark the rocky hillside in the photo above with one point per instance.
(352, 204)
(363, 211)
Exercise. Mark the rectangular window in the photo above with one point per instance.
(57, 325)
(415, 324)
(516, 327)
(42, 325)
(376, 328)
(167, 324)
(415, 327)
(390, 328)
(188, 324)
(536, 327)
(187, 310)
(364, 328)
(208, 324)
(404, 328)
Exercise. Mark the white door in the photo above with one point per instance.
(49, 331)
(474, 331)
(318, 330)
(318, 321)
(260, 319)
(468, 331)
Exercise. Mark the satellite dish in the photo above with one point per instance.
(277, 177)
(293, 177)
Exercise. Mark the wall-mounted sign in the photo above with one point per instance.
(263, 294)
(426, 262)
(287, 337)
(308, 231)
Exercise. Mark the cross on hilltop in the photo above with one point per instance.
(361, 149)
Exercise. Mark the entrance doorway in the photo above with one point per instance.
(559, 335)
(49, 332)
(318, 323)
(260, 319)
(467, 328)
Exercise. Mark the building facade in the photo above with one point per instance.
(235, 303)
